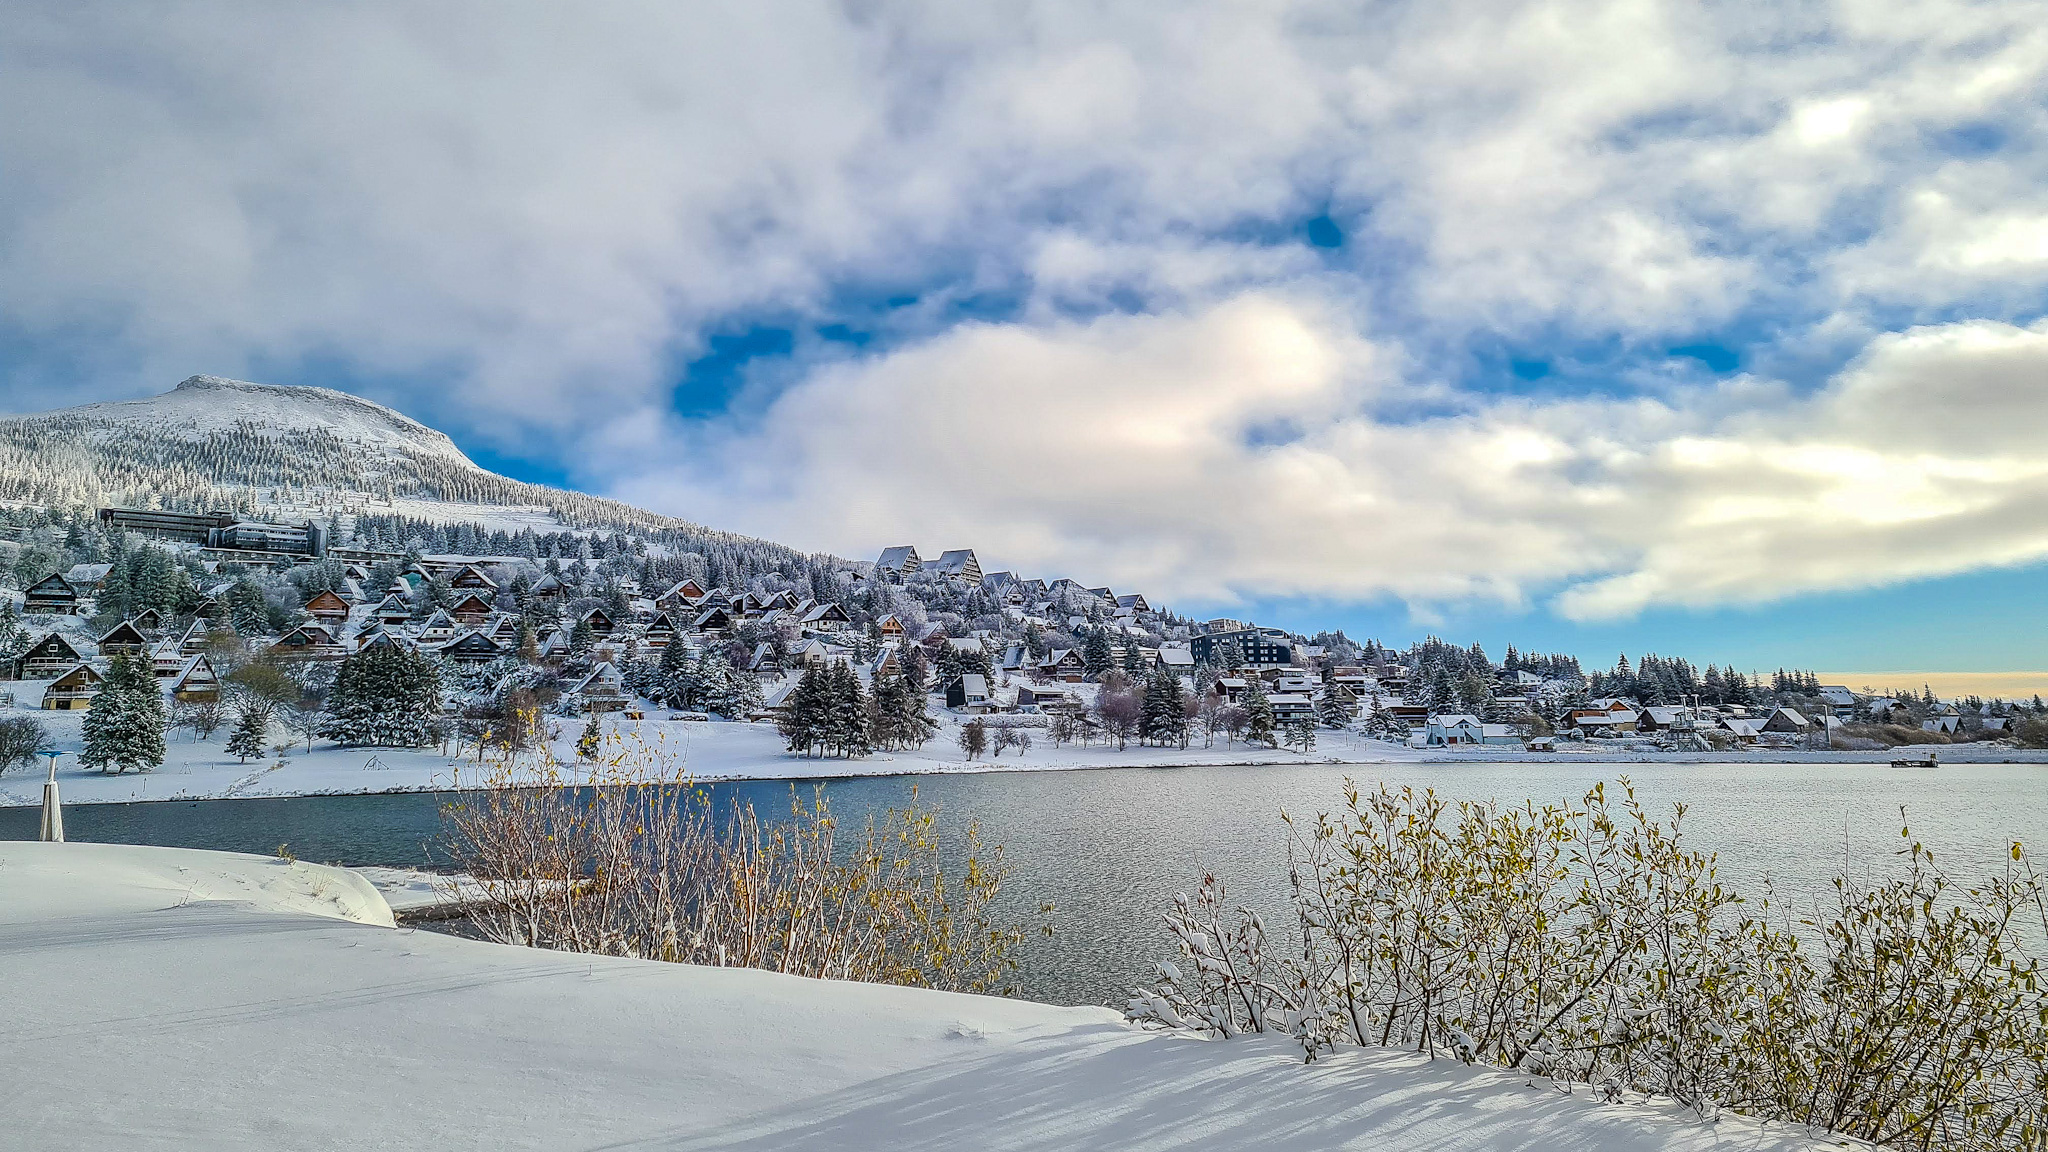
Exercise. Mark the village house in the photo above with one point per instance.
(72, 690)
(958, 564)
(328, 608)
(308, 641)
(472, 648)
(546, 590)
(1289, 707)
(898, 562)
(1787, 721)
(123, 639)
(889, 627)
(968, 693)
(659, 632)
(50, 656)
(600, 622)
(470, 578)
(1063, 664)
(828, 617)
(150, 621)
(602, 690)
(196, 683)
(684, 594)
(472, 610)
(51, 596)
(438, 629)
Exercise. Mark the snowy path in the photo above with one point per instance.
(159, 999)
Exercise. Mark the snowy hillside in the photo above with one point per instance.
(214, 442)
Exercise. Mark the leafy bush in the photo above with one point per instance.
(1588, 943)
(637, 862)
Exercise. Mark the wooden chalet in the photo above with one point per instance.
(72, 690)
(50, 656)
(195, 639)
(890, 627)
(472, 648)
(472, 610)
(600, 621)
(472, 579)
(394, 610)
(684, 594)
(196, 683)
(828, 617)
(150, 620)
(124, 639)
(308, 642)
(439, 628)
(659, 632)
(53, 595)
(547, 589)
(712, 619)
(603, 690)
(1063, 664)
(165, 660)
(328, 608)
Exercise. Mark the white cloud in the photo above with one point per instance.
(1238, 450)
(514, 220)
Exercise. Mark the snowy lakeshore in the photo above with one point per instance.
(264, 1004)
(715, 751)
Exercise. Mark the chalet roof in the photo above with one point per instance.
(548, 582)
(328, 599)
(472, 572)
(972, 684)
(56, 644)
(439, 620)
(604, 675)
(52, 583)
(826, 611)
(190, 669)
(1743, 727)
(953, 561)
(1455, 720)
(472, 641)
(87, 573)
(901, 556)
(463, 604)
(123, 633)
(80, 673)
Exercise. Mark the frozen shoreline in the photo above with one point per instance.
(265, 1004)
(717, 752)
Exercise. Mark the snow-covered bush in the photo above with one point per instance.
(1588, 943)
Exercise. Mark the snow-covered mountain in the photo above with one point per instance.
(214, 442)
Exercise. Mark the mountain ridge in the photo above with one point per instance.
(213, 441)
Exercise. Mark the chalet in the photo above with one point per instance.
(898, 562)
(659, 632)
(1135, 602)
(713, 619)
(1787, 720)
(825, 618)
(1178, 659)
(555, 648)
(602, 690)
(1451, 730)
(51, 596)
(1063, 664)
(328, 608)
(472, 648)
(196, 683)
(1888, 711)
(1660, 717)
(49, 656)
(764, 661)
(150, 621)
(439, 628)
(959, 564)
(1946, 724)
(470, 578)
(473, 610)
(1837, 696)
(195, 639)
(166, 661)
(1289, 707)
(352, 592)
(124, 639)
(1409, 716)
(1606, 716)
(87, 577)
(506, 630)
(1743, 731)
(1016, 658)
(1103, 594)
(1231, 688)
(890, 627)
(393, 611)
(884, 664)
(308, 641)
(600, 622)
(1046, 699)
(547, 589)
(684, 594)
(968, 693)
(73, 690)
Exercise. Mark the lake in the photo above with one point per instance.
(1110, 847)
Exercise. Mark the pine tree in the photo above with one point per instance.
(850, 726)
(1096, 657)
(1165, 718)
(125, 726)
(592, 739)
(252, 725)
(805, 713)
(384, 695)
(1258, 714)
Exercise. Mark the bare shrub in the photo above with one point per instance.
(633, 860)
(1587, 943)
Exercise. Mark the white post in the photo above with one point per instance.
(53, 808)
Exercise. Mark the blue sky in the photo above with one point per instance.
(1595, 327)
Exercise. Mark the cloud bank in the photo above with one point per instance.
(1109, 350)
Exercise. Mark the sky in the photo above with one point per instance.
(1706, 329)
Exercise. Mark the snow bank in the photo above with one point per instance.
(159, 998)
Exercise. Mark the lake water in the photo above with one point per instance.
(1110, 847)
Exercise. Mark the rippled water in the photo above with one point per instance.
(1110, 848)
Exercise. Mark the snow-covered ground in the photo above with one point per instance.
(740, 751)
(160, 998)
